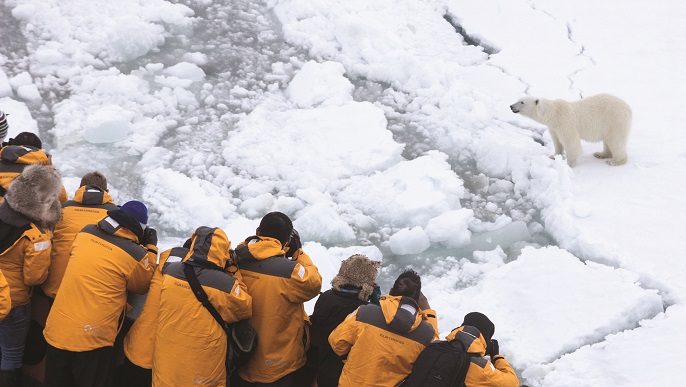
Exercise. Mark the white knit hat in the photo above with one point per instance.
(3, 125)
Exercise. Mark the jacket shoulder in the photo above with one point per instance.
(207, 277)
(278, 266)
(130, 247)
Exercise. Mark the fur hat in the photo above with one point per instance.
(359, 271)
(137, 210)
(3, 126)
(480, 322)
(35, 194)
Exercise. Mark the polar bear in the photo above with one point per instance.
(601, 117)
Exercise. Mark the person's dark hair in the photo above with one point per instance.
(276, 225)
(407, 284)
(27, 139)
(94, 179)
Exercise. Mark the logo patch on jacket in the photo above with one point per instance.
(40, 246)
(301, 272)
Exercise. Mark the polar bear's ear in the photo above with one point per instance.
(536, 102)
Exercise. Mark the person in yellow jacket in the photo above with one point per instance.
(383, 342)
(24, 149)
(27, 215)
(190, 345)
(280, 277)
(139, 342)
(89, 205)
(476, 335)
(116, 255)
(5, 300)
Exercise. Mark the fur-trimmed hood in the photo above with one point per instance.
(35, 194)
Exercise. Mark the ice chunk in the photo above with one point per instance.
(618, 355)
(450, 228)
(185, 70)
(107, 125)
(5, 87)
(29, 93)
(181, 203)
(410, 193)
(198, 58)
(512, 232)
(409, 241)
(20, 119)
(315, 146)
(320, 84)
(322, 223)
(21, 79)
(548, 303)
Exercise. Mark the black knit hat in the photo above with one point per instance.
(276, 225)
(27, 139)
(480, 322)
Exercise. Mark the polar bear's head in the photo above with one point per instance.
(527, 106)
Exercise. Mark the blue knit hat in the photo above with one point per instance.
(137, 210)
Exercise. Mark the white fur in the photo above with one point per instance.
(601, 117)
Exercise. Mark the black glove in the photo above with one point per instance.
(149, 237)
(493, 348)
(294, 244)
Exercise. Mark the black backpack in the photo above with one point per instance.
(241, 337)
(440, 364)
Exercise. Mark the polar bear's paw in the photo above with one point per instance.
(602, 155)
(615, 162)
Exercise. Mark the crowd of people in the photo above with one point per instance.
(87, 256)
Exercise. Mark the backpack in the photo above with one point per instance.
(440, 364)
(241, 337)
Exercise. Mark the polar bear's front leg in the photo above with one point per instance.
(556, 143)
(572, 145)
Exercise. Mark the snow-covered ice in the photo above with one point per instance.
(384, 128)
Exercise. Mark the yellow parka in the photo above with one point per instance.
(14, 158)
(279, 287)
(190, 346)
(25, 262)
(106, 260)
(483, 373)
(89, 205)
(382, 342)
(139, 343)
(5, 299)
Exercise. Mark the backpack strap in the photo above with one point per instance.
(200, 294)
(461, 345)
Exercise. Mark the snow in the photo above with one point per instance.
(602, 299)
(382, 130)
(20, 117)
